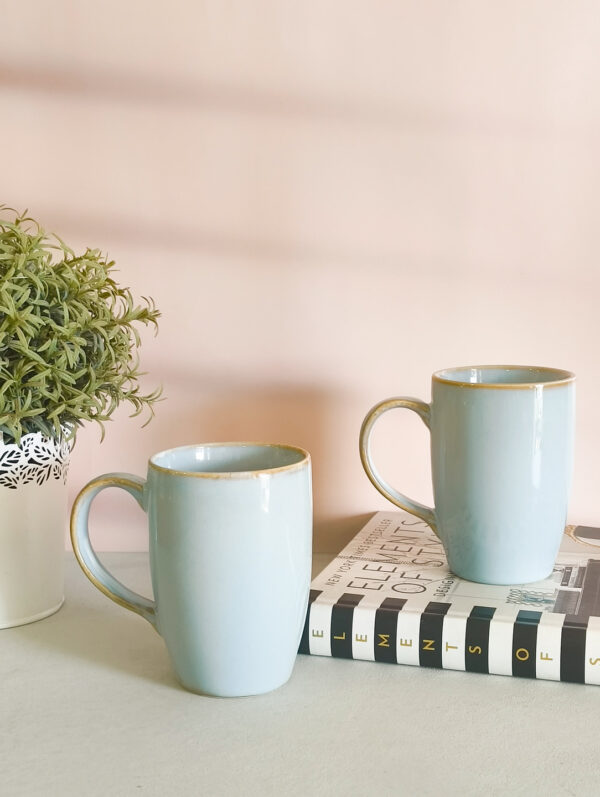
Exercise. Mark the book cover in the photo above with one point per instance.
(390, 597)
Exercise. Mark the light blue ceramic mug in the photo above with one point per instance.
(501, 457)
(230, 556)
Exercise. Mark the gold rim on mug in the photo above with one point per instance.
(562, 377)
(241, 474)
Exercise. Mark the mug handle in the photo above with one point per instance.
(423, 410)
(86, 556)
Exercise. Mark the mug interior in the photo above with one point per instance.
(504, 375)
(225, 458)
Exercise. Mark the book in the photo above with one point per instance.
(389, 596)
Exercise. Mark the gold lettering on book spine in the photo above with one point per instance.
(451, 647)
(522, 654)
(593, 662)
(475, 650)
(428, 644)
(546, 657)
(385, 641)
(317, 633)
(405, 643)
(343, 636)
(360, 638)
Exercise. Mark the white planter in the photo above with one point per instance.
(33, 518)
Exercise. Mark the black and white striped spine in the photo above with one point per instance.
(501, 641)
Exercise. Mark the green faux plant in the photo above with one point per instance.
(68, 335)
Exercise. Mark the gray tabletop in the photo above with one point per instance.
(90, 707)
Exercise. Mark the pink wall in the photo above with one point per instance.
(328, 201)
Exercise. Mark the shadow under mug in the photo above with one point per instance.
(230, 527)
(501, 461)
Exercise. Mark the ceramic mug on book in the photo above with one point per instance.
(501, 460)
(230, 556)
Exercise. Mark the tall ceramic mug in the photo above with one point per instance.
(501, 460)
(230, 555)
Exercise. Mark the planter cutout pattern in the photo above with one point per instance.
(37, 459)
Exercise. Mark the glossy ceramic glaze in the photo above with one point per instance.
(32, 551)
(33, 520)
(230, 551)
(501, 454)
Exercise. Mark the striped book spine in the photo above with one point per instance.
(502, 641)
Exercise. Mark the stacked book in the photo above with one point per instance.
(390, 597)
